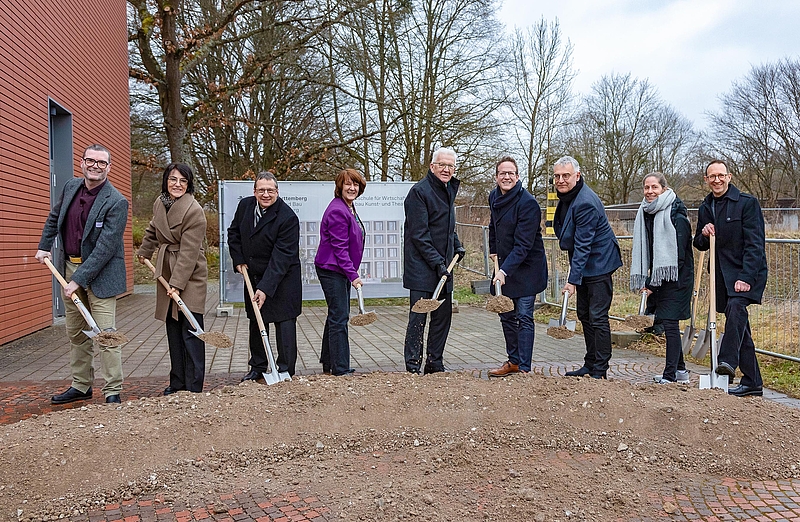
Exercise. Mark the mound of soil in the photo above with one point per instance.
(447, 446)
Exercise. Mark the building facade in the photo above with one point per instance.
(63, 85)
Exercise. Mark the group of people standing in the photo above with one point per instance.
(90, 217)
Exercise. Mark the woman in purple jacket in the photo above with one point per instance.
(341, 245)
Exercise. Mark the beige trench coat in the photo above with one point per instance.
(179, 236)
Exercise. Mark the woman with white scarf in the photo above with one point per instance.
(662, 265)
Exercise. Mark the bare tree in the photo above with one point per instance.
(541, 76)
(626, 131)
(757, 130)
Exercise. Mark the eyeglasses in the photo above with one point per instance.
(92, 162)
(564, 177)
(180, 181)
(269, 191)
(445, 166)
(715, 177)
(506, 174)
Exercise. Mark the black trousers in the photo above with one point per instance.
(593, 302)
(335, 354)
(674, 349)
(437, 334)
(737, 347)
(187, 353)
(286, 337)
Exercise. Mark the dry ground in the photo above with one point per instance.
(402, 447)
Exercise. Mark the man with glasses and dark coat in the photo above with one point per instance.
(515, 237)
(735, 219)
(583, 230)
(264, 237)
(89, 219)
(430, 243)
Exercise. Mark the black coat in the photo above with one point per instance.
(740, 246)
(515, 235)
(673, 299)
(271, 252)
(429, 235)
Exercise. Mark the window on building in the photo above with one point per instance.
(378, 226)
(311, 226)
(391, 226)
(379, 270)
(393, 269)
(378, 239)
(392, 239)
(393, 253)
(367, 253)
(366, 225)
(379, 253)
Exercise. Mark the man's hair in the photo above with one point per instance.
(444, 150)
(505, 159)
(185, 171)
(265, 175)
(568, 160)
(717, 161)
(662, 180)
(99, 148)
(354, 176)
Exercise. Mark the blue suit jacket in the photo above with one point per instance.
(586, 235)
(515, 235)
(102, 245)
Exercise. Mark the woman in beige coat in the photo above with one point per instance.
(178, 232)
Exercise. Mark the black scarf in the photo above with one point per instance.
(565, 200)
(501, 200)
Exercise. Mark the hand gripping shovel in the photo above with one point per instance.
(713, 380)
(688, 333)
(561, 328)
(104, 338)
(423, 306)
(273, 377)
(363, 318)
(213, 338)
(498, 303)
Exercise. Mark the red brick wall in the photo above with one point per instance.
(45, 49)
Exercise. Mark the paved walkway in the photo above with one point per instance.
(37, 366)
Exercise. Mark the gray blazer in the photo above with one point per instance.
(102, 247)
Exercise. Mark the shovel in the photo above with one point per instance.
(363, 318)
(498, 303)
(688, 333)
(213, 338)
(641, 320)
(562, 321)
(713, 380)
(84, 311)
(273, 377)
(423, 306)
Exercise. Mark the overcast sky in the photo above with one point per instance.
(690, 50)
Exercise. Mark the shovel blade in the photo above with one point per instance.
(91, 333)
(570, 324)
(197, 333)
(688, 337)
(701, 346)
(274, 377)
(713, 380)
(423, 306)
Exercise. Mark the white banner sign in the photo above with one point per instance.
(380, 209)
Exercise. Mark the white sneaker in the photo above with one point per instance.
(665, 381)
(682, 376)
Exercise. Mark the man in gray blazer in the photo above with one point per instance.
(89, 219)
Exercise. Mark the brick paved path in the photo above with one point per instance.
(37, 366)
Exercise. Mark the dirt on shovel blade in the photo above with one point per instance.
(638, 322)
(500, 304)
(363, 319)
(560, 332)
(220, 340)
(111, 339)
(423, 306)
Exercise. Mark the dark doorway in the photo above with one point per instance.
(61, 171)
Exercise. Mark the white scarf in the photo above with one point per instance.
(664, 240)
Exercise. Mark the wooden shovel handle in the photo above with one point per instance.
(452, 264)
(55, 272)
(496, 264)
(160, 278)
(256, 311)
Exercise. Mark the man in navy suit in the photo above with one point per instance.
(515, 237)
(583, 231)
(264, 237)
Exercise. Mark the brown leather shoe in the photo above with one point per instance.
(506, 369)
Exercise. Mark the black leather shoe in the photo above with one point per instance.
(113, 399)
(746, 391)
(724, 368)
(71, 395)
(253, 375)
(580, 372)
(169, 390)
(346, 372)
(598, 375)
